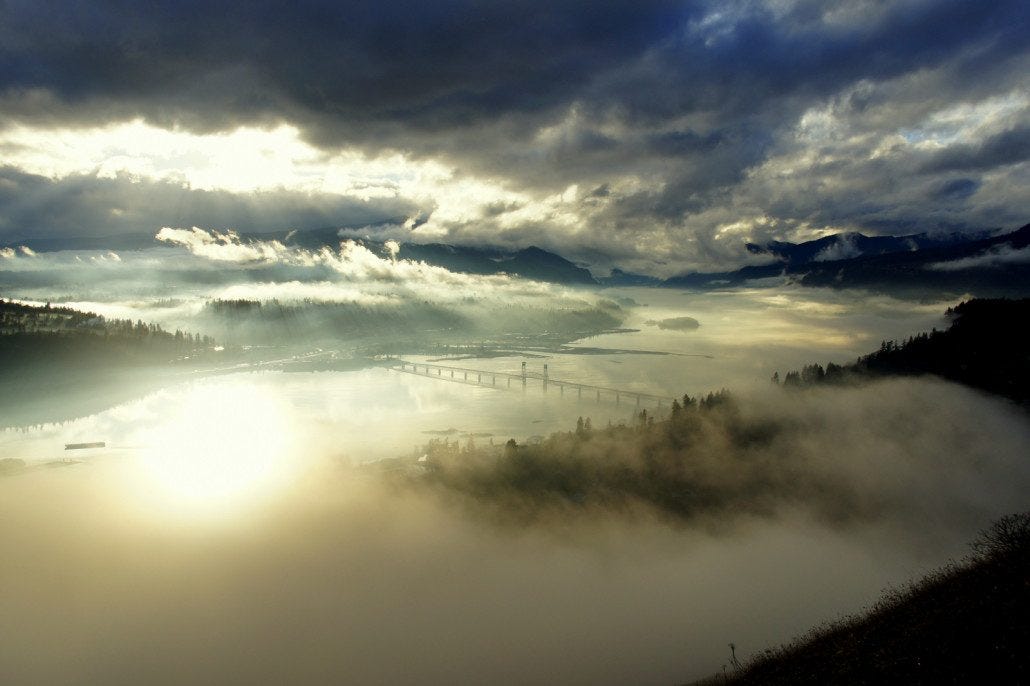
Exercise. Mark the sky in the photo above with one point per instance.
(656, 136)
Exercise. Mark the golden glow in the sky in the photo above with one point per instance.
(223, 446)
(251, 160)
(243, 160)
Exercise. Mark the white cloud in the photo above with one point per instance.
(352, 262)
(842, 249)
(997, 256)
(223, 247)
(108, 257)
(255, 160)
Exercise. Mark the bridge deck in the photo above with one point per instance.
(488, 379)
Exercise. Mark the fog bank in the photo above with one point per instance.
(341, 577)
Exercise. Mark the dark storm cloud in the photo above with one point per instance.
(430, 65)
(957, 189)
(744, 55)
(33, 205)
(1007, 147)
(671, 107)
(446, 65)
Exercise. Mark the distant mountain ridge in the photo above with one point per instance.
(985, 265)
(852, 244)
(978, 263)
(621, 278)
(531, 262)
(137, 241)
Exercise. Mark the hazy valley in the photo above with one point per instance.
(636, 342)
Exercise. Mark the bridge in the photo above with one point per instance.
(490, 379)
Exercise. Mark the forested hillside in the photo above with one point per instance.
(985, 347)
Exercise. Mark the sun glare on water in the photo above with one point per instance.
(220, 448)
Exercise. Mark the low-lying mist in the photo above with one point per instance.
(266, 293)
(345, 575)
(862, 453)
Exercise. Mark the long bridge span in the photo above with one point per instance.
(507, 380)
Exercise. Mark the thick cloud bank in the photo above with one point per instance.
(654, 135)
(341, 578)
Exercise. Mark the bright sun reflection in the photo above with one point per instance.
(222, 446)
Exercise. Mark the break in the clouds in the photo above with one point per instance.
(654, 135)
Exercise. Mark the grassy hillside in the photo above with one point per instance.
(968, 623)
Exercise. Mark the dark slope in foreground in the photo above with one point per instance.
(964, 624)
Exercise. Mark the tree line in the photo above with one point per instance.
(705, 458)
(984, 347)
(32, 335)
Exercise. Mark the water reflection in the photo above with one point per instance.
(217, 445)
(373, 413)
